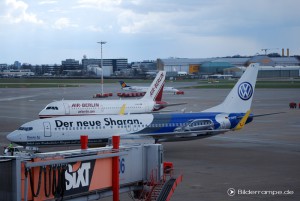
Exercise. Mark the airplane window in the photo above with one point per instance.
(25, 128)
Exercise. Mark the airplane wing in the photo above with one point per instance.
(170, 104)
(172, 136)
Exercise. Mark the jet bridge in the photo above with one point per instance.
(88, 174)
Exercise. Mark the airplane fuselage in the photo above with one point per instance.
(96, 107)
(67, 130)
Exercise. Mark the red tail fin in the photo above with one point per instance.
(159, 94)
(155, 90)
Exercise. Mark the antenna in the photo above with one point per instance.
(266, 50)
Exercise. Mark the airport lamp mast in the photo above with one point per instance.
(101, 43)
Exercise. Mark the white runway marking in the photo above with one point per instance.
(16, 98)
(7, 117)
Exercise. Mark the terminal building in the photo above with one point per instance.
(116, 64)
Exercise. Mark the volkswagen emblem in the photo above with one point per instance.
(245, 90)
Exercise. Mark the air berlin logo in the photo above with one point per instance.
(245, 91)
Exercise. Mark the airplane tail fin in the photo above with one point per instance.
(123, 84)
(155, 90)
(240, 97)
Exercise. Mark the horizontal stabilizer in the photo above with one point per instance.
(267, 114)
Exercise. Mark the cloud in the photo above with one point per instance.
(95, 29)
(47, 2)
(99, 4)
(63, 23)
(164, 28)
(17, 13)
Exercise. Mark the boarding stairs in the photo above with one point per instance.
(164, 189)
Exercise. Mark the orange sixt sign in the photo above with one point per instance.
(157, 83)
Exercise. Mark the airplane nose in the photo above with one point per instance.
(12, 137)
(42, 112)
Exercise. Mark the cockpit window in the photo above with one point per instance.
(25, 128)
(51, 108)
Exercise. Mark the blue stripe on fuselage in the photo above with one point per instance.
(168, 122)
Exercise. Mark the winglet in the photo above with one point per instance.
(242, 123)
(122, 111)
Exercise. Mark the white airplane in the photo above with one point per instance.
(126, 87)
(232, 114)
(151, 101)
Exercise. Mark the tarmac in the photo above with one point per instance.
(259, 162)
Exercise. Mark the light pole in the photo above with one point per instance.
(101, 43)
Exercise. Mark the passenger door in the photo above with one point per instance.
(47, 129)
(67, 108)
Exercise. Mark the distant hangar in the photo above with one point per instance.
(269, 66)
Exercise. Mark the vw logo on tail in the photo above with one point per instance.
(245, 90)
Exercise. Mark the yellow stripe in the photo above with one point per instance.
(122, 111)
(242, 123)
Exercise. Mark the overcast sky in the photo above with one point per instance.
(49, 31)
